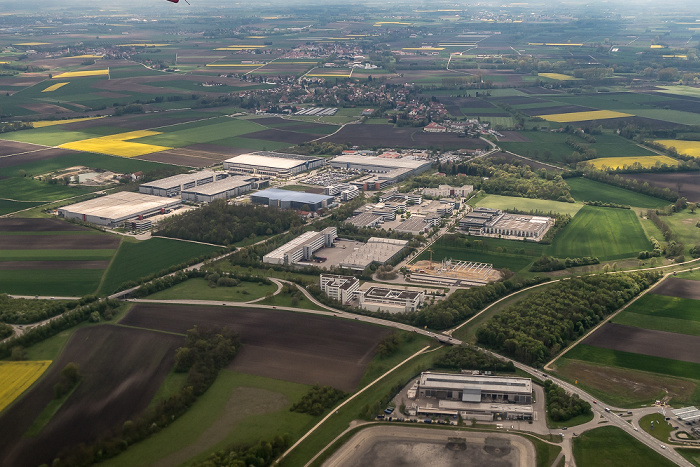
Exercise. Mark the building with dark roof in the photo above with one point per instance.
(286, 199)
(391, 300)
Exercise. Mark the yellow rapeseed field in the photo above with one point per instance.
(583, 116)
(117, 145)
(620, 162)
(558, 76)
(43, 123)
(16, 377)
(689, 148)
(76, 74)
(29, 44)
(53, 87)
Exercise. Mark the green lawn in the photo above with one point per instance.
(513, 262)
(241, 398)
(691, 275)
(204, 131)
(198, 289)
(672, 314)
(583, 189)
(662, 429)
(683, 224)
(606, 233)
(60, 282)
(286, 300)
(28, 189)
(528, 204)
(610, 446)
(56, 255)
(7, 207)
(691, 455)
(140, 259)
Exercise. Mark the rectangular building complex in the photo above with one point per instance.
(275, 164)
(287, 199)
(172, 186)
(112, 210)
(302, 248)
(391, 300)
(340, 288)
(223, 189)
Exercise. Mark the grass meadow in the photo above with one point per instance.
(583, 189)
(663, 313)
(198, 289)
(139, 259)
(59, 282)
(609, 446)
(528, 204)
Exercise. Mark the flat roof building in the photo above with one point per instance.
(302, 248)
(223, 189)
(340, 288)
(486, 221)
(366, 220)
(112, 210)
(380, 164)
(172, 186)
(475, 388)
(414, 225)
(376, 250)
(272, 163)
(391, 300)
(287, 199)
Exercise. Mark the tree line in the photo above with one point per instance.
(318, 400)
(562, 406)
(537, 327)
(24, 311)
(466, 356)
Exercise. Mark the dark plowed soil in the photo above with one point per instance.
(686, 184)
(682, 288)
(122, 369)
(36, 154)
(281, 136)
(37, 225)
(20, 265)
(295, 347)
(646, 342)
(58, 242)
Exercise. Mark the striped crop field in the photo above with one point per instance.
(118, 145)
(689, 148)
(558, 76)
(43, 123)
(613, 163)
(78, 74)
(243, 65)
(53, 87)
(16, 377)
(584, 116)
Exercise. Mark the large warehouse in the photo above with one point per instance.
(287, 199)
(405, 167)
(172, 186)
(223, 189)
(274, 164)
(112, 210)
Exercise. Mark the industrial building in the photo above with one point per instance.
(486, 221)
(274, 164)
(287, 199)
(391, 300)
(687, 414)
(339, 288)
(113, 210)
(302, 248)
(223, 189)
(414, 225)
(366, 220)
(398, 168)
(444, 191)
(376, 250)
(452, 273)
(172, 186)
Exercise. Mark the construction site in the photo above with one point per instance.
(452, 273)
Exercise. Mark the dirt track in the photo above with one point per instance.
(277, 344)
(122, 370)
(646, 342)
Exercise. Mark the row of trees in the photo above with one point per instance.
(24, 311)
(224, 224)
(562, 406)
(466, 356)
(537, 327)
(630, 184)
(550, 263)
(261, 454)
(318, 400)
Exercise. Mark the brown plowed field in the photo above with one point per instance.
(500, 157)
(37, 154)
(539, 90)
(9, 224)
(689, 182)
(168, 157)
(682, 288)
(8, 147)
(663, 344)
(386, 136)
(514, 137)
(58, 242)
(20, 265)
(281, 136)
(122, 369)
(296, 347)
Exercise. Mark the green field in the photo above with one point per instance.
(136, 260)
(683, 225)
(691, 455)
(610, 446)
(663, 313)
(28, 189)
(590, 190)
(528, 204)
(617, 358)
(662, 429)
(56, 255)
(606, 233)
(7, 207)
(198, 289)
(238, 409)
(59, 282)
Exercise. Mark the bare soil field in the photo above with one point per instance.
(21, 265)
(514, 137)
(684, 105)
(557, 110)
(663, 344)
(279, 135)
(386, 136)
(518, 100)
(514, 159)
(187, 157)
(631, 384)
(45, 108)
(689, 182)
(58, 242)
(539, 90)
(296, 347)
(682, 288)
(411, 446)
(8, 147)
(122, 369)
(33, 153)
(38, 225)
